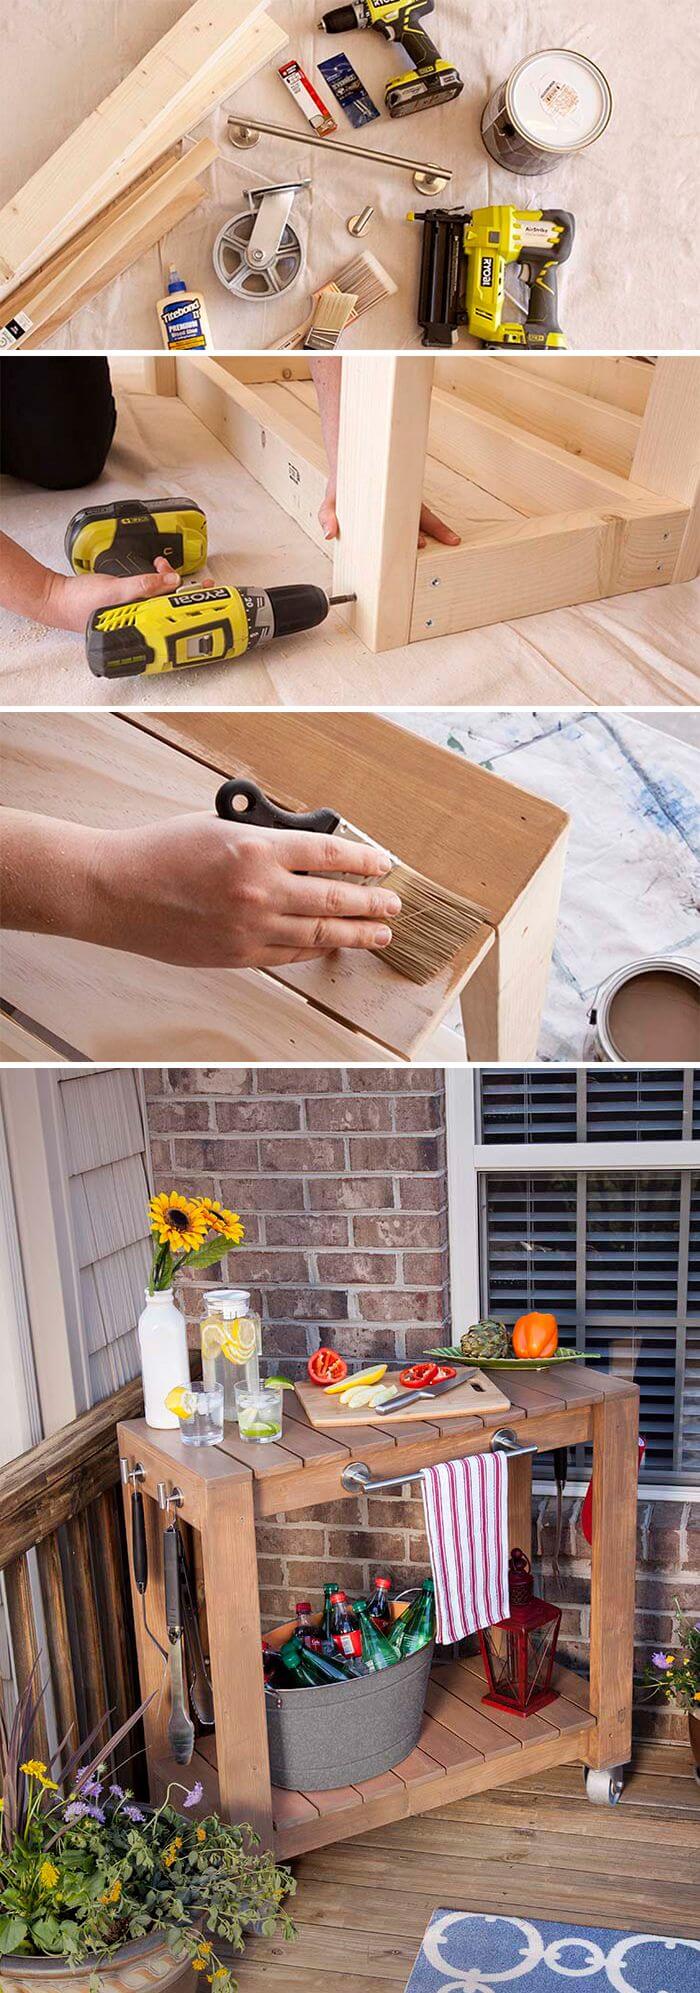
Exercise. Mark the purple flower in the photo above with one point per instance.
(89, 1788)
(117, 1791)
(133, 1813)
(193, 1797)
(658, 1660)
(76, 1811)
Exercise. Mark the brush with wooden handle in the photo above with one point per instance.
(363, 277)
(334, 310)
(433, 923)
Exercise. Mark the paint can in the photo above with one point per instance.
(648, 1011)
(554, 104)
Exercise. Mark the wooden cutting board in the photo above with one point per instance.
(478, 1394)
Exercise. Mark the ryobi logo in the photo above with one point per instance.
(487, 272)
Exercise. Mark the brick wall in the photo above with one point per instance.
(339, 1176)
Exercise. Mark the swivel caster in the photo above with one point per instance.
(604, 1788)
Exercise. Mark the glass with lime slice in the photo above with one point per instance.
(259, 1412)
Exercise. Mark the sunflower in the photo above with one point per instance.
(220, 1220)
(178, 1221)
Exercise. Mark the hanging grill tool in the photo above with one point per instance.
(132, 1478)
(433, 923)
(180, 1725)
(465, 258)
(258, 255)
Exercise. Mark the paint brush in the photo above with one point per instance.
(364, 277)
(333, 311)
(433, 925)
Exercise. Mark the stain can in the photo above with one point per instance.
(648, 1011)
(554, 104)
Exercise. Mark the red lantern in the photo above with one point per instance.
(518, 1654)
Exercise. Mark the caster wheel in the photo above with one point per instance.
(604, 1788)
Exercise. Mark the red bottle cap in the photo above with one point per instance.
(383, 1584)
(303, 1605)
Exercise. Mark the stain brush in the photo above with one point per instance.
(433, 923)
(364, 277)
(333, 311)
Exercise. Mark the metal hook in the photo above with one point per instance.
(169, 1498)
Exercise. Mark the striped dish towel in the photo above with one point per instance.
(466, 1518)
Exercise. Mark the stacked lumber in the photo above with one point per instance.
(116, 185)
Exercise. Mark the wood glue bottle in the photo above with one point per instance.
(182, 316)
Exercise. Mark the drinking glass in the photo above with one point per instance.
(259, 1412)
(205, 1424)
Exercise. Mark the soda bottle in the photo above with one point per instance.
(328, 1591)
(309, 1670)
(378, 1607)
(416, 1626)
(308, 1634)
(273, 1673)
(344, 1626)
(377, 1651)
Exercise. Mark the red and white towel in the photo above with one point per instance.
(466, 1517)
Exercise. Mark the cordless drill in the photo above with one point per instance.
(429, 80)
(463, 273)
(199, 626)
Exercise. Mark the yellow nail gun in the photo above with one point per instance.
(463, 273)
(430, 80)
(199, 626)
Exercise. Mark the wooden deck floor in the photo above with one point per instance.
(536, 1849)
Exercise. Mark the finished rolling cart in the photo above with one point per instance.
(221, 1491)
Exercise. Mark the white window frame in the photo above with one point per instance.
(468, 1159)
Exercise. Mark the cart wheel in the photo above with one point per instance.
(604, 1788)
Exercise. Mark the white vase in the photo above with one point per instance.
(164, 1356)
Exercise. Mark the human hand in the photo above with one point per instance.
(207, 894)
(430, 525)
(71, 599)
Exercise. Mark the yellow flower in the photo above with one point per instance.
(201, 1833)
(115, 1891)
(670, 1660)
(34, 1768)
(204, 1947)
(220, 1220)
(178, 1221)
(696, 1697)
(48, 1875)
(199, 1965)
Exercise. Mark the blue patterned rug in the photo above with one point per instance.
(462, 1953)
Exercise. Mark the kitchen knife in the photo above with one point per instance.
(427, 1391)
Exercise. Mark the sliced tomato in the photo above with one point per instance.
(418, 1376)
(442, 1372)
(327, 1367)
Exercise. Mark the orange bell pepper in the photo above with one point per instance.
(536, 1335)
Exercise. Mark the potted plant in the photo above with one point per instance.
(187, 1231)
(101, 1891)
(676, 1676)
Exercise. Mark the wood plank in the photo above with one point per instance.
(470, 1724)
(667, 457)
(276, 452)
(97, 158)
(558, 411)
(80, 1587)
(384, 416)
(615, 1466)
(465, 1679)
(235, 1650)
(531, 473)
(503, 1001)
(620, 380)
(25, 1646)
(58, 1639)
(48, 1485)
(155, 232)
(110, 1567)
(511, 570)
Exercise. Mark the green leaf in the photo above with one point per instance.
(46, 1933)
(211, 1252)
(13, 1931)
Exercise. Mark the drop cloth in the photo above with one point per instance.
(632, 280)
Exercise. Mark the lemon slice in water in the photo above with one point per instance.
(180, 1401)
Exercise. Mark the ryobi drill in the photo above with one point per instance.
(463, 273)
(429, 80)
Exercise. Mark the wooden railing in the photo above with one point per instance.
(63, 1501)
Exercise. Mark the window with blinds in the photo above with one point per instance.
(615, 1254)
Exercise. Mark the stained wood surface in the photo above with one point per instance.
(477, 1395)
(47, 1486)
(172, 82)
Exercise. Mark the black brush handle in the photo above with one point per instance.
(255, 808)
(139, 1551)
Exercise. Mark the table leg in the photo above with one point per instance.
(503, 1001)
(151, 1663)
(615, 1427)
(520, 1504)
(233, 1616)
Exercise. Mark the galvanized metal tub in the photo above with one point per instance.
(320, 1738)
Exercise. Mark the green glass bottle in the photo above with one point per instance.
(328, 1591)
(377, 1651)
(414, 1628)
(308, 1670)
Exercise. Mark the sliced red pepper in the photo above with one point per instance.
(442, 1372)
(327, 1367)
(418, 1376)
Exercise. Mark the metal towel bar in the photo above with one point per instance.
(357, 1477)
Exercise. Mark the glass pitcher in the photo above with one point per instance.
(231, 1343)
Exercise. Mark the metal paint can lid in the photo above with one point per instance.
(606, 1043)
(559, 100)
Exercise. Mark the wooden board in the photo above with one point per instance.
(174, 86)
(474, 1398)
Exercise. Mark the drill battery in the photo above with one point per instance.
(128, 535)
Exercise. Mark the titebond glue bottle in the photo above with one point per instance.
(182, 316)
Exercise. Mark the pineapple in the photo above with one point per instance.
(484, 1340)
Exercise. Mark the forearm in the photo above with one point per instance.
(25, 584)
(47, 875)
(327, 376)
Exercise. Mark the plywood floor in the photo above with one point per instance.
(637, 650)
(536, 1849)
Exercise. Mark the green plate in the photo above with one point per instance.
(517, 1362)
